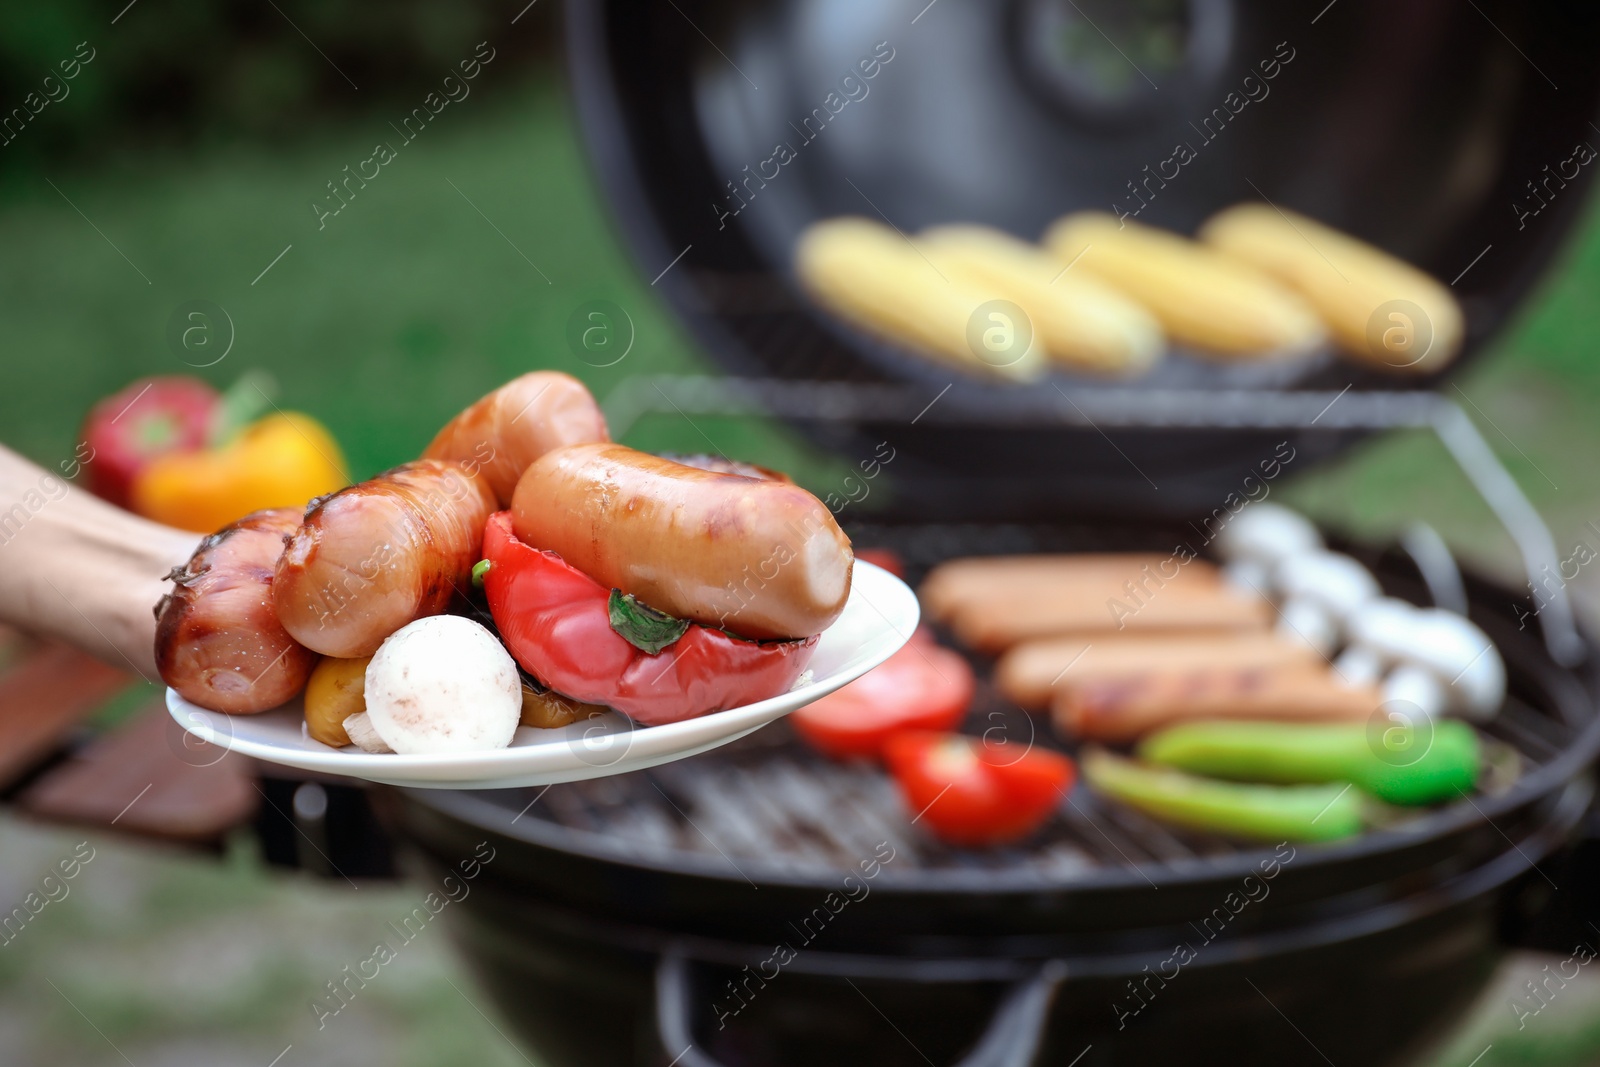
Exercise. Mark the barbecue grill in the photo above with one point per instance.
(642, 919)
(652, 892)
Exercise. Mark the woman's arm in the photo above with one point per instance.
(79, 569)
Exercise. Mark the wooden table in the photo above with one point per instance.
(72, 750)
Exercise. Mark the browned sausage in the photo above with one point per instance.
(516, 424)
(958, 584)
(218, 641)
(1118, 710)
(373, 557)
(760, 558)
(1029, 672)
(1091, 608)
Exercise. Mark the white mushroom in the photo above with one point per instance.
(443, 684)
(1432, 658)
(364, 735)
(1321, 591)
(1375, 631)
(1259, 538)
(1436, 659)
(1478, 688)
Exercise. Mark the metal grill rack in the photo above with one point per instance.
(1135, 408)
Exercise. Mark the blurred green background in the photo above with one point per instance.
(182, 163)
(453, 270)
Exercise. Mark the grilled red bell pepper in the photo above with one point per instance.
(887, 558)
(557, 623)
(920, 687)
(972, 792)
(151, 417)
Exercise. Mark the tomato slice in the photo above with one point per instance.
(922, 686)
(971, 792)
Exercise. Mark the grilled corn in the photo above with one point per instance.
(1381, 310)
(869, 275)
(1084, 324)
(1219, 305)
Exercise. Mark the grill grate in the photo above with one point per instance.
(768, 799)
(768, 802)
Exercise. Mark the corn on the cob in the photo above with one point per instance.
(1085, 325)
(1360, 291)
(869, 275)
(1223, 307)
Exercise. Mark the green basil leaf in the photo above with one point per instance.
(642, 626)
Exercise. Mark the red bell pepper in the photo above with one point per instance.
(972, 792)
(556, 622)
(151, 417)
(887, 558)
(920, 687)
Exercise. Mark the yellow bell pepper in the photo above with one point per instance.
(283, 460)
(336, 690)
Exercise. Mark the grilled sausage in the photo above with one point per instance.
(516, 424)
(373, 557)
(992, 604)
(1094, 608)
(958, 583)
(760, 558)
(1028, 673)
(1117, 710)
(218, 641)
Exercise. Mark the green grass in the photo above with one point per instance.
(385, 322)
(164, 958)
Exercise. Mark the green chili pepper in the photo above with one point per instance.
(1399, 762)
(1269, 812)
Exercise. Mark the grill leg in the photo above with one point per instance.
(1011, 1039)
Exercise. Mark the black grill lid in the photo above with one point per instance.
(1416, 127)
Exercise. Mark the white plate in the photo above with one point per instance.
(879, 617)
